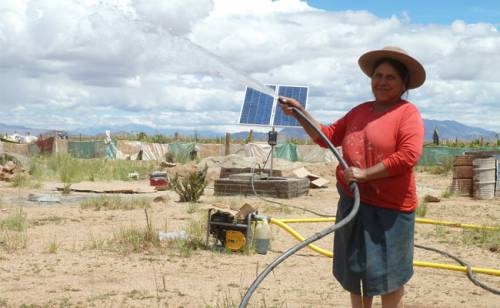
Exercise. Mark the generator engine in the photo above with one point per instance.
(229, 232)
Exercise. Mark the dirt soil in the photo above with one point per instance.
(66, 264)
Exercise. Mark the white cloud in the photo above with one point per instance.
(185, 63)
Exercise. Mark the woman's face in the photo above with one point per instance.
(387, 85)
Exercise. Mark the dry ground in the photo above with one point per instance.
(63, 264)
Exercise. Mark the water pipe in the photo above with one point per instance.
(281, 223)
(354, 189)
(418, 220)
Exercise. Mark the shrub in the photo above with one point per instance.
(190, 188)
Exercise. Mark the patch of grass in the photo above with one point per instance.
(225, 301)
(66, 189)
(69, 169)
(13, 240)
(195, 239)
(421, 210)
(13, 234)
(482, 238)
(22, 180)
(53, 247)
(49, 220)
(444, 166)
(96, 243)
(35, 169)
(192, 207)
(15, 222)
(113, 202)
(447, 193)
(441, 233)
(136, 239)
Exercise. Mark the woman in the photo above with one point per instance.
(381, 142)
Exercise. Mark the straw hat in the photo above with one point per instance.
(415, 69)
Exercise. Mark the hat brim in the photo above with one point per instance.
(415, 69)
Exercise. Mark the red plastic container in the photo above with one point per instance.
(159, 180)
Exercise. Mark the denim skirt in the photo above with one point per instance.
(374, 250)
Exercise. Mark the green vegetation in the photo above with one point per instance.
(482, 238)
(190, 187)
(113, 202)
(421, 210)
(53, 247)
(136, 239)
(15, 222)
(13, 234)
(22, 180)
(195, 239)
(444, 166)
(67, 169)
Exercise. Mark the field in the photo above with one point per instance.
(79, 253)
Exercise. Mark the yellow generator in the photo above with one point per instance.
(228, 231)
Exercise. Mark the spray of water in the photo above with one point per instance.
(172, 47)
(228, 71)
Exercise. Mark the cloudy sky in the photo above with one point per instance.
(184, 64)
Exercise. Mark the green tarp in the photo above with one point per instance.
(87, 149)
(182, 152)
(436, 155)
(286, 151)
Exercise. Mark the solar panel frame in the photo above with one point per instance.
(257, 108)
(300, 93)
(260, 109)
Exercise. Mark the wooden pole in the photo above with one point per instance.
(227, 148)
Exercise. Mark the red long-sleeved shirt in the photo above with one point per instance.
(394, 137)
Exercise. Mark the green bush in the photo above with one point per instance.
(190, 188)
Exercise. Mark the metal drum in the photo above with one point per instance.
(483, 176)
(462, 175)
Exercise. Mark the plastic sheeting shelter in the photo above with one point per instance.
(436, 155)
(87, 149)
(183, 152)
(285, 151)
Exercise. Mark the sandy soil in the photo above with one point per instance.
(61, 266)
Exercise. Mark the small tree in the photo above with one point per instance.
(190, 188)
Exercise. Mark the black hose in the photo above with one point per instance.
(288, 205)
(354, 188)
(470, 274)
(252, 179)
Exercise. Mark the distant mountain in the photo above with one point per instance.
(446, 130)
(454, 129)
(139, 128)
(11, 129)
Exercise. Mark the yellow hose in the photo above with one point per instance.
(282, 224)
(418, 220)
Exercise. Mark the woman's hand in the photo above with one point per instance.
(287, 104)
(355, 174)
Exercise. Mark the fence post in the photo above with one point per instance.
(227, 149)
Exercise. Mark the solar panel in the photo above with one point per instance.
(262, 109)
(257, 107)
(300, 94)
